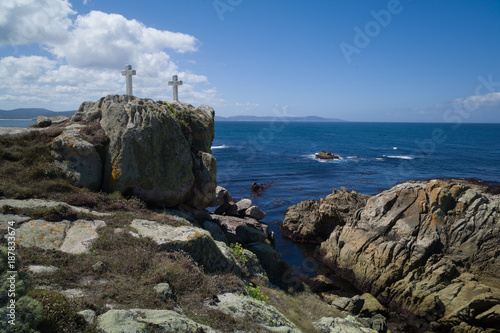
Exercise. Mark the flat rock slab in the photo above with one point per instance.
(240, 306)
(242, 230)
(70, 237)
(40, 203)
(341, 325)
(197, 242)
(42, 234)
(5, 219)
(80, 235)
(38, 269)
(145, 321)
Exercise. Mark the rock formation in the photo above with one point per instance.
(326, 155)
(157, 152)
(312, 221)
(431, 247)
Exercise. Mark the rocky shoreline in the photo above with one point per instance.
(108, 210)
(430, 248)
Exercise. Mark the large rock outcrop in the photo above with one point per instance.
(156, 151)
(429, 246)
(312, 221)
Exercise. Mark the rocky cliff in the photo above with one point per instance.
(431, 247)
(156, 151)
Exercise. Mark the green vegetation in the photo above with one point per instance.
(28, 312)
(256, 293)
(27, 171)
(58, 314)
(301, 308)
(239, 252)
(129, 267)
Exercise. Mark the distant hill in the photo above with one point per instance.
(289, 119)
(32, 113)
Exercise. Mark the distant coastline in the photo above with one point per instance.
(310, 119)
(31, 113)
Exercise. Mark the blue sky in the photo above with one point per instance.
(419, 60)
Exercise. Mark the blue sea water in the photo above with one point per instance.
(23, 123)
(373, 157)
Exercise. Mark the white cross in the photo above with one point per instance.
(175, 83)
(128, 72)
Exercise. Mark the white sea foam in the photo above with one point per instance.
(395, 148)
(220, 147)
(401, 157)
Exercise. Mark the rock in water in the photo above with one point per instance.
(313, 221)
(326, 155)
(158, 152)
(431, 247)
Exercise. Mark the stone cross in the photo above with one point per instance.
(128, 72)
(175, 83)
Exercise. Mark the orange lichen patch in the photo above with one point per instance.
(115, 170)
(197, 233)
(189, 238)
(71, 144)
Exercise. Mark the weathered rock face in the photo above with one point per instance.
(312, 221)
(432, 247)
(145, 320)
(158, 152)
(78, 159)
(212, 255)
(264, 317)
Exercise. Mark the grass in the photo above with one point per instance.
(301, 308)
(27, 170)
(133, 266)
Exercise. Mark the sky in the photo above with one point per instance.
(376, 60)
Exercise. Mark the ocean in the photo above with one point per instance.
(373, 157)
(22, 123)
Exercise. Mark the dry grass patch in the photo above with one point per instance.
(301, 308)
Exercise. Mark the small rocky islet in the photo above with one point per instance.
(116, 237)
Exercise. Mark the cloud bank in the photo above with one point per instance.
(82, 56)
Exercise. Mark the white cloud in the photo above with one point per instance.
(478, 101)
(108, 40)
(23, 69)
(86, 57)
(34, 21)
